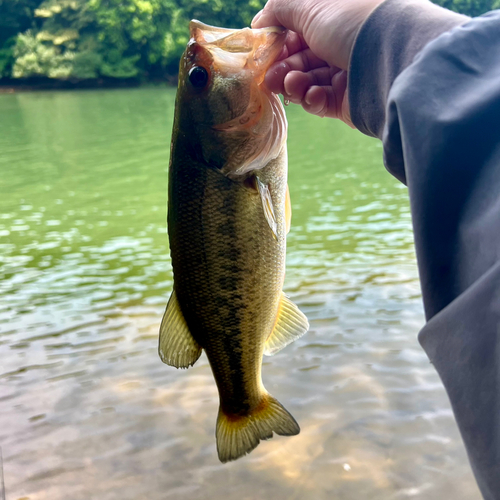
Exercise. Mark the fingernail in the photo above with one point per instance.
(256, 17)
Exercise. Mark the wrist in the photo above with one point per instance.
(331, 28)
(358, 13)
(385, 45)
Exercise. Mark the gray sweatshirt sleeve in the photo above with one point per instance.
(434, 99)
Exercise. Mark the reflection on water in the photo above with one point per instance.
(87, 410)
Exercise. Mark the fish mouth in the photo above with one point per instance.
(233, 50)
(244, 55)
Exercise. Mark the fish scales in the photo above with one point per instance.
(227, 224)
(232, 271)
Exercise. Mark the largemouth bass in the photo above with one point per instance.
(228, 216)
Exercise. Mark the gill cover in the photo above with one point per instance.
(246, 55)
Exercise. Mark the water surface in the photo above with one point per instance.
(88, 411)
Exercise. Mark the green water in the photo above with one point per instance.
(88, 411)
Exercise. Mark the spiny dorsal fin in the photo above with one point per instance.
(267, 204)
(290, 325)
(177, 346)
(288, 211)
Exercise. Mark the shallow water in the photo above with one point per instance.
(88, 411)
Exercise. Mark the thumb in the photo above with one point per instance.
(264, 18)
(278, 13)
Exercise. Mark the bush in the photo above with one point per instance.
(121, 39)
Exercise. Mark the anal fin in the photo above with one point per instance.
(291, 324)
(177, 346)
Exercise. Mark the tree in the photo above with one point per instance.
(16, 16)
(120, 39)
(471, 8)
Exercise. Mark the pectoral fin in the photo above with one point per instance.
(288, 210)
(267, 204)
(290, 325)
(177, 346)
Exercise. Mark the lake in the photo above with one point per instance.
(87, 409)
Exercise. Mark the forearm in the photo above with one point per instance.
(439, 106)
(386, 44)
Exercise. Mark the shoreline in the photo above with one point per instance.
(12, 86)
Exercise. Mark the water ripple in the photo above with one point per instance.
(87, 410)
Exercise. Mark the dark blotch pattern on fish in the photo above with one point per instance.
(217, 231)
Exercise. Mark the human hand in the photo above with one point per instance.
(312, 70)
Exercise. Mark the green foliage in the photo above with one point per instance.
(16, 16)
(89, 39)
(35, 59)
(7, 57)
(130, 33)
(140, 39)
(471, 8)
(62, 45)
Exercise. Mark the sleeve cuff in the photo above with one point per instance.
(394, 33)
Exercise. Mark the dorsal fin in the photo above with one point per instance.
(291, 324)
(177, 346)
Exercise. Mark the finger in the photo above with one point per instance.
(265, 18)
(296, 83)
(346, 111)
(303, 61)
(339, 88)
(280, 13)
(294, 43)
(256, 18)
(275, 13)
(329, 100)
(275, 77)
(317, 100)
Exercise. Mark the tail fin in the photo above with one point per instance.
(239, 435)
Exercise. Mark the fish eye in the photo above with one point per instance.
(198, 77)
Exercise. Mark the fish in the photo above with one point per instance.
(228, 216)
